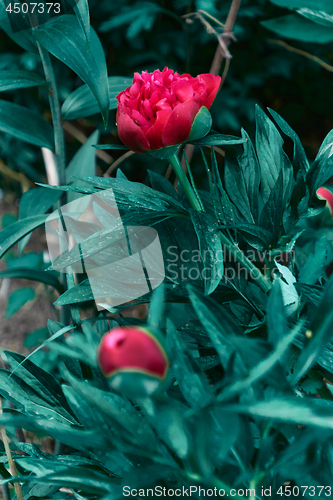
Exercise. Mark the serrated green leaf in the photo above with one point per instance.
(321, 331)
(26, 125)
(251, 173)
(276, 316)
(41, 382)
(218, 325)
(192, 381)
(235, 184)
(64, 38)
(300, 161)
(315, 264)
(272, 158)
(210, 249)
(272, 213)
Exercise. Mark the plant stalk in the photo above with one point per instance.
(185, 183)
(11, 462)
(219, 54)
(255, 273)
(59, 143)
(59, 137)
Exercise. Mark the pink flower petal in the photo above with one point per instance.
(212, 83)
(131, 134)
(179, 124)
(183, 90)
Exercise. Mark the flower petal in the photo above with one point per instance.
(212, 82)
(178, 126)
(131, 134)
(154, 133)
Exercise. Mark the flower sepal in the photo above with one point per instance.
(201, 126)
(137, 384)
(164, 153)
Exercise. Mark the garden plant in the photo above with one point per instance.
(187, 261)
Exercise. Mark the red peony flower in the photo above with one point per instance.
(158, 110)
(132, 349)
(326, 194)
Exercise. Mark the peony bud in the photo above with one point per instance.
(133, 359)
(326, 194)
(159, 109)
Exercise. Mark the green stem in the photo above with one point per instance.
(59, 144)
(255, 274)
(185, 183)
(59, 137)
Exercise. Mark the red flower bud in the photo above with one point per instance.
(159, 109)
(326, 194)
(132, 350)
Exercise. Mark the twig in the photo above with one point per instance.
(117, 162)
(11, 462)
(225, 72)
(302, 53)
(220, 54)
(17, 176)
(209, 28)
(81, 137)
(228, 27)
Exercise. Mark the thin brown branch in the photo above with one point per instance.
(17, 176)
(81, 137)
(316, 59)
(117, 162)
(227, 31)
(211, 30)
